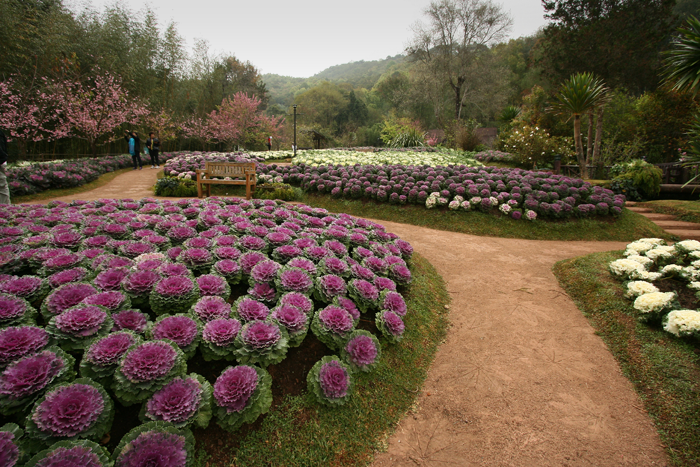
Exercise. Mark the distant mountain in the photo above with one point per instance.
(362, 74)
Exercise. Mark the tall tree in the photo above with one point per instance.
(454, 42)
(618, 40)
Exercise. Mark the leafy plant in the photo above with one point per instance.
(645, 179)
(241, 394)
(281, 191)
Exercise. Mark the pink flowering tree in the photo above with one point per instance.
(239, 121)
(196, 127)
(31, 113)
(96, 110)
(161, 122)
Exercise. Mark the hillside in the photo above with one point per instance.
(362, 74)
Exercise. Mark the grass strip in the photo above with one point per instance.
(299, 432)
(665, 370)
(628, 227)
(102, 180)
(688, 211)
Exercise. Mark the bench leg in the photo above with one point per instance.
(199, 190)
(208, 190)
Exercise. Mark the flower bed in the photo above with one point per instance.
(185, 164)
(28, 178)
(648, 265)
(387, 157)
(494, 156)
(513, 192)
(236, 281)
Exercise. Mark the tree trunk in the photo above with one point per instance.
(458, 102)
(93, 147)
(579, 147)
(598, 140)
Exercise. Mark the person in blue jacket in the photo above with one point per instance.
(4, 188)
(132, 139)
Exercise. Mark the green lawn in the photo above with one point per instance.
(665, 370)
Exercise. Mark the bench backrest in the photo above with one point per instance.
(229, 169)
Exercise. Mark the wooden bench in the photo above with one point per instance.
(240, 173)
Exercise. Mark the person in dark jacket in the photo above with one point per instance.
(4, 188)
(132, 139)
(153, 145)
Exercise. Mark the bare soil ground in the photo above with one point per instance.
(521, 379)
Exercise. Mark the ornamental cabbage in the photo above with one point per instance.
(113, 301)
(393, 301)
(31, 288)
(182, 402)
(291, 279)
(10, 452)
(80, 409)
(102, 357)
(15, 311)
(181, 329)
(75, 327)
(218, 339)
(66, 296)
(132, 320)
(212, 284)
(24, 380)
(294, 320)
(78, 452)
(155, 444)
(362, 351)
(330, 381)
(248, 309)
(18, 342)
(145, 368)
(332, 325)
(261, 342)
(175, 294)
(391, 325)
(138, 286)
(365, 295)
(298, 300)
(228, 269)
(328, 287)
(241, 394)
(211, 307)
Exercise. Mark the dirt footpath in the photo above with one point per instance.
(521, 379)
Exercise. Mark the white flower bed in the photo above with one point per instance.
(654, 303)
(347, 158)
(683, 323)
(639, 288)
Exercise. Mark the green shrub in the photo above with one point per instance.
(280, 191)
(532, 145)
(178, 187)
(640, 179)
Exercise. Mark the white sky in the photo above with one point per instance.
(303, 37)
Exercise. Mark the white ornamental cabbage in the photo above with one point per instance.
(683, 323)
(694, 285)
(638, 248)
(639, 288)
(643, 260)
(672, 270)
(655, 303)
(660, 254)
(623, 268)
(686, 246)
(644, 275)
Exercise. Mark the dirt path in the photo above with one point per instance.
(521, 380)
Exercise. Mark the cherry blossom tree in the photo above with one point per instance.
(31, 112)
(96, 110)
(239, 121)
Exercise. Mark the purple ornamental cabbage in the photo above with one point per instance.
(228, 269)
(81, 453)
(173, 269)
(132, 320)
(71, 410)
(333, 265)
(18, 342)
(334, 380)
(30, 288)
(211, 307)
(153, 446)
(328, 287)
(298, 300)
(349, 306)
(179, 401)
(391, 325)
(335, 319)
(400, 274)
(9, 452)
(303, 263)
(107, 351)
(252, 243)
(285, 253)
(261, 342)
(362, 350)
(376, 265)
(111, 279)
(316, 253)
(263, 292)
(59, 278)
(393, 301)
(211, 284)
(180, 329)
(264, 271)
(362, 272)
(151, 360)
(234, 388)
(294, 280)
(174, 294)
(112, 300)
(249, 260)
(15, 311)
(384, 283)
(227, 252)
(65, 297)
(221, 332)
(364, 294)
(251, 310)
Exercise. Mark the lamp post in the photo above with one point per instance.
(295, 129)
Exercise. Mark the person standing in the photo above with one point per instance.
(4, 188)
(153, 145)
(269, 143)
(134, 143)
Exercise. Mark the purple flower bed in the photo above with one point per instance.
(545, 194)
(246, 282)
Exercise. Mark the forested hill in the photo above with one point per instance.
(362, 74)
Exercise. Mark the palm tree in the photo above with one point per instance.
(682, 72)
(682, 63)
(579, 95)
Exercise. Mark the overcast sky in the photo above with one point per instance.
(303, 37)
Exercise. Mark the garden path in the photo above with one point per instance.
(521, 379)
